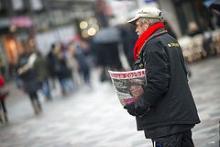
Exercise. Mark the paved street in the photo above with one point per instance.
(95, 118)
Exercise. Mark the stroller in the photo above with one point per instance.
(3, 96)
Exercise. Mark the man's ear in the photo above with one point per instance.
(145, 26)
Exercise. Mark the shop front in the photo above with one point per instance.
(15, 33)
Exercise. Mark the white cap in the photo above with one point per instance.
(147, 12)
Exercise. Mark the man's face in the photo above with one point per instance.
(140, 27)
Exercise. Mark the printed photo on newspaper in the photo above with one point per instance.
(126, 82)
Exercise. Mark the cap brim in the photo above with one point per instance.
(133, 20)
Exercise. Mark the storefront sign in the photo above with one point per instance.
(21, 22)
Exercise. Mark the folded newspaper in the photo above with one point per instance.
(124, 82)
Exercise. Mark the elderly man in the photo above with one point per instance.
(165, 110)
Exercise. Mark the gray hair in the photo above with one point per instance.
(150, 20)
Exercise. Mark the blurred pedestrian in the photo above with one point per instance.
(2, 67)
(28, 76)
(73, 64)
(165, 109)
(41, 67)
(107, 45)
(62, 71)
(51, 61)
(3, 95)
(83, 64)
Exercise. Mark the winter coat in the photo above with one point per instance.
(167, 99)
(41, 67)
(52, 62)
(62, 70)
(29, 78)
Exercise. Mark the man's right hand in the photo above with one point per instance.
(132, 110)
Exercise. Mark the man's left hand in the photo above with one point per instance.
(131, 109)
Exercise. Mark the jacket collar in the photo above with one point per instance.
(144, 37)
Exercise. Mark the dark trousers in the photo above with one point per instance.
(183, 139)
(35, 102)
(2, 105)
(45, 87)
(33, 96)
(3, 110)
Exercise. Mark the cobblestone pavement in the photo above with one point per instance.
(94, 118)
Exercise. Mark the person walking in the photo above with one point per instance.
(41, 67)
(3, 96)
(28, 76)
(165, 110)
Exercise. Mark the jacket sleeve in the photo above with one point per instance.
(156, 63)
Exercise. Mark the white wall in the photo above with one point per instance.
(44, 40)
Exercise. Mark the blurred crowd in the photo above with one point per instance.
(68, 66)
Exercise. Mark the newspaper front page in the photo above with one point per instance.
(123, 82)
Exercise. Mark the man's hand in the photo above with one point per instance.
(131, 109)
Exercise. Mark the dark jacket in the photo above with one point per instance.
(62, 70)
(41, 67)
(52, 62)
(29, 78)
(167, 92)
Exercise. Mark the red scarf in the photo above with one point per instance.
(144, 37)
